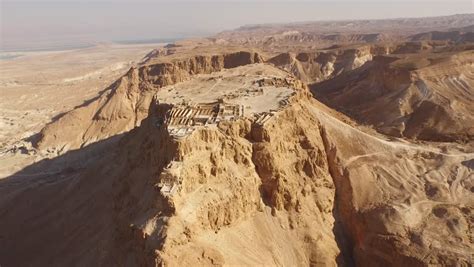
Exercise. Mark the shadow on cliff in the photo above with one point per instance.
(345, 257)
(82, 208)
(56, 210)
(67, 163)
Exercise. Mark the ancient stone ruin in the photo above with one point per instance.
(182, 119)
(170, 179)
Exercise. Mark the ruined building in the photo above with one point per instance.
(182, 119)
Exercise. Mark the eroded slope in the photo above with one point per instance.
(196, 157)
(301, 188)
(126, 102)
(425, 96)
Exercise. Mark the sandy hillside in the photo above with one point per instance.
(36, 87)
(425, 96)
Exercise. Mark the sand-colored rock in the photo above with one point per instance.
(265, 173)
(297, 189)
(426, 97)
(312, 67)
(125, 103)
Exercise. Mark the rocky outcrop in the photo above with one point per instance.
(311, 67)
(125, 103)
(386, 226)
(235, 176)
(246, 168)
(303, 188)
(320, 188)
(168, 73)
(414, 98)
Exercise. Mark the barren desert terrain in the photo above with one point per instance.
(344, 143)
(36, 87)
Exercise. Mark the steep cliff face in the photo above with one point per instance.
(186, 162)
(424, 97)
(289, 37)
(168, 73)
(313, 67)
(125, 103)
(387, 225)
(269, 181)
(304, 188)
(285, 193)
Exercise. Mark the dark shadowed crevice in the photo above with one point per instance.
(343, 240)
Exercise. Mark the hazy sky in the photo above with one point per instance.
(38, 23)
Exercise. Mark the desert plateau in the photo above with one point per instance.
(325, 143)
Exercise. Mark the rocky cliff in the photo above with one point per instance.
(303, 188)
(255, 170)
(316, 188)
(312, 67)
(125, 103)
(424, 98)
